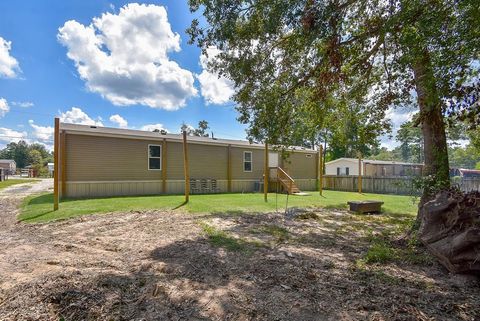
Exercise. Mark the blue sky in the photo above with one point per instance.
(48, 70)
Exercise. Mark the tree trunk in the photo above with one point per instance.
(431, 117)
(433, 128)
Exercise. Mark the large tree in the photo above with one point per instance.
(411, 142)
(16, 151)
(25, 154)
(343, 131)
(377, 53)
(201, 130)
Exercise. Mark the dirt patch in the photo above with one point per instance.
(156, 265)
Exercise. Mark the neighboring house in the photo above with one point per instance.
(466, 173)
(350, 166)
(100, 161)
(9, 165)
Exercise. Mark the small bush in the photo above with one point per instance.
(380, 252)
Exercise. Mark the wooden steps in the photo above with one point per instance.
(287, 182)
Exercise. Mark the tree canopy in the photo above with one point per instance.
(25, 154)
(201, 130)
(303, 60)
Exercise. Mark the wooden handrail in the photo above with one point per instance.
(282, 175)
(280, 170)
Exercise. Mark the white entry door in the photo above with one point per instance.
(272, 159)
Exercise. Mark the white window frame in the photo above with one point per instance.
(159, 157)
(250, 161)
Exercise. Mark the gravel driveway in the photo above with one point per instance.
(12, 196)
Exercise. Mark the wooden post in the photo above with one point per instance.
(320, 170)
(63, 166)
(229, 169)
(360, 172)
(56, 167)
(265, 175)
(185, 167)
(164, 166)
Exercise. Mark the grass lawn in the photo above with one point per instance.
(39, 208)
(10, 182)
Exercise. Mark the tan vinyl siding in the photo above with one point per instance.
(175, 161)
(108, 166)
(257, 164)
(207, 161)
(92, 158)
(298, 165)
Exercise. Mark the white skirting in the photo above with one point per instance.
(123, 188)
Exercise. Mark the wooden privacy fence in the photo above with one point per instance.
(387, 185)
(370, 184)
(470, 184)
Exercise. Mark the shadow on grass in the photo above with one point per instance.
(47, 199)
(180, 205)
(41, 199)
(31, 218)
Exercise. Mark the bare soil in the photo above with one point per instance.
(160, 265)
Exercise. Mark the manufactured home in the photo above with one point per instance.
(374, 168)
(9, 165)
(100, 161)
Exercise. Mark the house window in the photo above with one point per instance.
(154, 157)
(347, 170)
(338, 171)
(247, 161)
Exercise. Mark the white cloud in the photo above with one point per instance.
(8, 135)
(4, 108)
(24, 104)
(152, 127)
(397, 116)
(215, 89)
(119, 121)
(9, 67)
(43, 133)
(77, 116)
(48, 146)
(124, 57)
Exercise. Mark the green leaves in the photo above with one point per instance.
(297, 62)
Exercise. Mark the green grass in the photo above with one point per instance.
(39, 208)
(221, 238)
(11, 182)
(380, 252)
